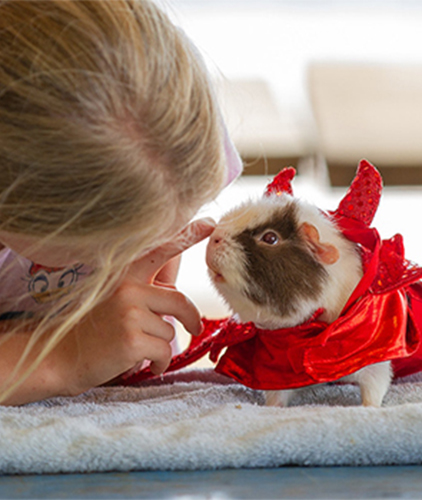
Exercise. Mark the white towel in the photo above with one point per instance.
(199, 420)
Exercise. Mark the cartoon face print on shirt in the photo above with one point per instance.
(47, 284)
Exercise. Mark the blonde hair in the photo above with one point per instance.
(109, 130)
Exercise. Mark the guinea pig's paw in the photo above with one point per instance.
(374, 382)
(277, 398)
(372, 395)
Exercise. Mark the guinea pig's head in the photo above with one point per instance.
(268, 263)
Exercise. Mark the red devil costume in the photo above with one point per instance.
(381, 321)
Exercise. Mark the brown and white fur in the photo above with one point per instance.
(276, 261)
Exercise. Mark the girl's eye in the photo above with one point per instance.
(270, 238)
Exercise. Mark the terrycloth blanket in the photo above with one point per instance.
(199, 420)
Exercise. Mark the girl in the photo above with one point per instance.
(110, 142)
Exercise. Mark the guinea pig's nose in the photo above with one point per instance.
(216, 238)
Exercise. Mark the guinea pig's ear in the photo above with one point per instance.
(325, 252)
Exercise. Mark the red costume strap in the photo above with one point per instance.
(199, 346)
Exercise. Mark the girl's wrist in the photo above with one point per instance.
(65, 371)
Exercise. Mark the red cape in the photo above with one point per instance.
(382, 320)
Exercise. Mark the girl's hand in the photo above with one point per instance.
(129, 327)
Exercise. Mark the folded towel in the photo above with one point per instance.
(197, 419)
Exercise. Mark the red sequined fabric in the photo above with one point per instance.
(362, 198)
(393, 267)
(281, 183)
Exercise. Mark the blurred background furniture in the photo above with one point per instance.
(371, 111)
(360, 110)
(311, 80)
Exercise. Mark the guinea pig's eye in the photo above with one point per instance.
(269, 237)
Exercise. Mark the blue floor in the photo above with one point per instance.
(289, 482)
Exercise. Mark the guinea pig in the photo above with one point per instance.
(275, 261)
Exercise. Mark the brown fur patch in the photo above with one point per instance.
(280, 276)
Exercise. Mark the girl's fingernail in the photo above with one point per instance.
(208, 221)
(200, 329)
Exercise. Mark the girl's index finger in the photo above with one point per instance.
(146, 268)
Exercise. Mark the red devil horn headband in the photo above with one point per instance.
(281, 182)
(361, 200)
(363, 196)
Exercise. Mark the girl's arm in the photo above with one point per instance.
(44, 382)
(118, 334)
